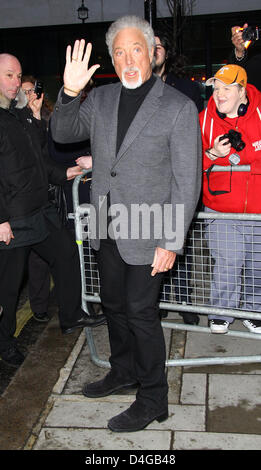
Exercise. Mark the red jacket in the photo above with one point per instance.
(243, 189)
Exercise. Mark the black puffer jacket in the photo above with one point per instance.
(25, 166)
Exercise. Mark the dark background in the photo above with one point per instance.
(206, 41)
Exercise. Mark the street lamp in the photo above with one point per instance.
(83, 12)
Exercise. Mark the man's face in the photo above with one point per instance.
(132, 60)
(10, 76)
(160, 53)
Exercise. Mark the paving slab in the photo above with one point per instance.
(194, 388)
(85, 370)
(100, 439)
(219, 345)
(22, 402)
(88, 413)
(234, 404)
(209, 407)
(215, 441)
(174, 374)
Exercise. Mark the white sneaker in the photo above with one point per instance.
(219, 326)
(253, 325)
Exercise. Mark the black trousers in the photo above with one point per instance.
(129, 298)
(60, 251)
(38, 283)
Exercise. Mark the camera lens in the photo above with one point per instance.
(240, 146)
(248, 34)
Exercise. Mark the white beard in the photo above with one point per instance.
(131, 85)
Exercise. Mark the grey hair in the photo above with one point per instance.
(130, 21)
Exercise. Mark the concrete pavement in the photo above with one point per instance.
(211, 407)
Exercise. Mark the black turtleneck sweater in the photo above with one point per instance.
(130, 102)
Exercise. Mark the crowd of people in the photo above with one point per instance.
(145, 138)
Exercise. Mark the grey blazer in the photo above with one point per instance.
(158, 165)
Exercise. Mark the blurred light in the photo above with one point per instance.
(247, 44)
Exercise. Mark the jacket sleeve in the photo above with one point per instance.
(207, 162)
(4, 214)
(56, 172)
(71, 122)
(66, 154)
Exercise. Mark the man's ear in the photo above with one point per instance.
(151, 55)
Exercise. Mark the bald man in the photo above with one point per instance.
(27, 220)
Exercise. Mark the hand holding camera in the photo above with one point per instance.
(243, 37)
(222, 146)
(35, 101)
(238, 41)
(234, 138)
(219, 149)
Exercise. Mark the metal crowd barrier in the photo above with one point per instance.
(187, 287)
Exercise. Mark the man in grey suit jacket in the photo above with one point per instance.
(146, 150)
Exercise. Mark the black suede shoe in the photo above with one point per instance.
(107, 386)
(89, 322)
(12, 356)
(135, 418)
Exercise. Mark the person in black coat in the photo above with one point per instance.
(246, 58)
(171, 69)
(67, 155)
(28, 221)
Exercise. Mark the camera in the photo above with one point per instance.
(38, 88)
(250, 34)
(235, 140)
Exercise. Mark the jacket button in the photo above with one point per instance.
(113, 173)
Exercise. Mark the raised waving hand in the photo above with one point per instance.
(76, 72)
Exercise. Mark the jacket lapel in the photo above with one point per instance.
(149, 106)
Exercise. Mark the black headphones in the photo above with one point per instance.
(242, 109)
